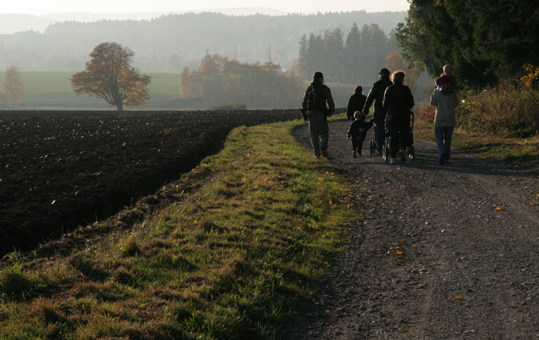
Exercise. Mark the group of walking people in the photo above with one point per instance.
(393, 102)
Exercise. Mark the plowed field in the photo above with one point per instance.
(59, 170)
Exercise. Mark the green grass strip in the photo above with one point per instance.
(228, 261)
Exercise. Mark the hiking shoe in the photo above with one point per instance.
(392, 161)
(325, 154)
(441, 161)
(401, 155)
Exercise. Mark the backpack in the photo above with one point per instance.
(316, 99)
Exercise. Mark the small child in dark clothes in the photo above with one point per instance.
(357, 131)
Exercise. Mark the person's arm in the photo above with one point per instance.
(434, 98)
(386, 101)
(362, 100)
(411, 102)
(305, 100)
(330, 101)
(369, 100)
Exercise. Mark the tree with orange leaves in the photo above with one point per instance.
(110, 76)
(13, 86)
(394, 62)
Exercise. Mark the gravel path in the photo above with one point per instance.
(437, 252)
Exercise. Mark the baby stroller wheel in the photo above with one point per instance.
(372, 145)
(411, 153)
(385, 152)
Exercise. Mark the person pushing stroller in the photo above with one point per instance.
(357, 131)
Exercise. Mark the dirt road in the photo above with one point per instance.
(437, 252)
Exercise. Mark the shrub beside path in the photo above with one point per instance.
(435, 252)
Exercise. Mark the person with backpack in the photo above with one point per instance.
(318, 104)
(356, 102)
(376, 95)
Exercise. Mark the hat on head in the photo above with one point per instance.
(384, 71)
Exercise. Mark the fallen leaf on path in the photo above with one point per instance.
(458, 297)
(498, 208)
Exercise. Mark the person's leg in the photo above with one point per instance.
(354, 147)
(354, 143)
(315, 138)
(394, 133)
(379, 134)
(323, 131)
(324, 138)
(404, 131)
(448, 139)
(439, 132)
(405, 134)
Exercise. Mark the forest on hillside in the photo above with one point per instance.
(484, 41)
(172, 42)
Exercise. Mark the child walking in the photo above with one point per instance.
(357, 131)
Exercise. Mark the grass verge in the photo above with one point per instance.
(247, 234)
(514, 151)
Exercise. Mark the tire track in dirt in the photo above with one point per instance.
(436, 252)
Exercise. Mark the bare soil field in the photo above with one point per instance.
(60, 170)
(436, 252)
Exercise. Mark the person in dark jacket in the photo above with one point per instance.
(398, 102)
(376, 95)
(316, 100)
(356, 102)
(357, 131)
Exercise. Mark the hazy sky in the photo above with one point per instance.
(38, 7)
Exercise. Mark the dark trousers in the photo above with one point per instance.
(399, 130)
(379, 133)
(357, 142)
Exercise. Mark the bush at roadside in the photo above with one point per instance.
(507, 110)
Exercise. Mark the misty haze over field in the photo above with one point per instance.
(165, 42)
(13, 23)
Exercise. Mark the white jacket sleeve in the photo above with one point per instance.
(434, 98)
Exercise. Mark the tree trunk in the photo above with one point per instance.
(120, 106)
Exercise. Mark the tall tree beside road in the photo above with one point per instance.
(109, 75)
(13, 86)
(483, 40)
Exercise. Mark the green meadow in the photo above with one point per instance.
(249, 235)
(53, 90)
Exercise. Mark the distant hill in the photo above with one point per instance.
(168, 43)
(11, 23)
(90, 17)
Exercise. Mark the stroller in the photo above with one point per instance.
(386, 148)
